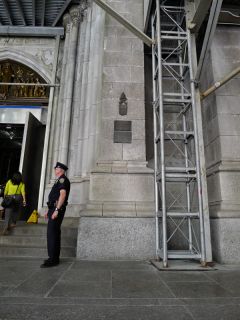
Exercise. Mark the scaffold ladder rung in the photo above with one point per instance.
(180, 214)
(175, 64)
(183, 255)
(186, 133)
(173, 37)
(168, 100)
(181, 169)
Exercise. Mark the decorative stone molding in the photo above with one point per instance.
(83, 8)
(75, 15)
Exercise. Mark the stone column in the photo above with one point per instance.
(91, 93)
(85, 105)
(68, 93)
(82, 79)
(59, 109)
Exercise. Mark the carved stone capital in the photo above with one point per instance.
(75, 14)
(83, 7)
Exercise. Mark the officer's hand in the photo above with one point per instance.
(54, 215)
(46, 215)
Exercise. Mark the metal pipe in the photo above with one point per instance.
(155, 145)
(162, 159)
(199, 15)
(197, 152)
(125, 22)
(220, 83)
(29, 84)
(211, 27)
(205, 202)
(184, 123)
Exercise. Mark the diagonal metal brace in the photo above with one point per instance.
(199, 15)
(220, 83)
(137, 32)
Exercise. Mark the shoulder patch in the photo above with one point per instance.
(61, 180)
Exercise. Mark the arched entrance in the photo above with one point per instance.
(23, 108)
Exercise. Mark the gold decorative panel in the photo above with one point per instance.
(12, 72)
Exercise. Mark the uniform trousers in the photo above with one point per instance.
(54, 234)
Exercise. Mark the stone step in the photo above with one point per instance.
(34, 241)
(23, 228)
(29, 240)
(30, 252)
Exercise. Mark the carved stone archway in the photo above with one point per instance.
(27, 60)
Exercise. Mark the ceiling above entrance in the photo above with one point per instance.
(42, 13)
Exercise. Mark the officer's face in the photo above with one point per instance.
(59, 172)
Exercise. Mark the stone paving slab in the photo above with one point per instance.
(116, 290)
(63, 312)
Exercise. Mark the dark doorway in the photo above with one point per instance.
(11, 136)
(31, 161)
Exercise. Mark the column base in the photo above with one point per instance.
(225, 240)
(102, 238)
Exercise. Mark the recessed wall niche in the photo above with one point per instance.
(123, 105)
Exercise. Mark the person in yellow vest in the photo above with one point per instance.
(14, 188)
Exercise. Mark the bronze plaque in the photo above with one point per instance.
(122, 131)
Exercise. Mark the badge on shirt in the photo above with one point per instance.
(61, 180)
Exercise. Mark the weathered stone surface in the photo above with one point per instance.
(228, 105)
(138, 127)
(230, 185)
(229, 124)
(134, 151)
(213, 153)
(230, 147)
(117, 74)
(116, 238)
(145, 209)
(119, 209)
(226, 240)
(109, 150)
(221, 136)
(121, 187)
(132, 91)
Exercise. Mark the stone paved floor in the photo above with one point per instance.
(120, 290)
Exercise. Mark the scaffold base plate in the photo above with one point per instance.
(182, 265)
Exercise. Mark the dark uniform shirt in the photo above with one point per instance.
(62, 183)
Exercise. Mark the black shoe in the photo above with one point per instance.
(47, 260)
(50, 260)
(48, 264)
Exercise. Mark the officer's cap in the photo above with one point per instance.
(61, 165)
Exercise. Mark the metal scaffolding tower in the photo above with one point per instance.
(180, 220)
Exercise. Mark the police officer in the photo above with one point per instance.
(57, 202)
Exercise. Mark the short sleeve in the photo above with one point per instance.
(62, 184)
(23, 189)
(6, 188)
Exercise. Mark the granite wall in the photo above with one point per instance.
(221, 116)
